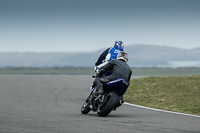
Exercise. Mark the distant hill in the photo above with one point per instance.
(139, 55)
(153, 55)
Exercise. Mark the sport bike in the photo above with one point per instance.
(104, 103)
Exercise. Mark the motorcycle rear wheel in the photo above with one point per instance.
(112, 99)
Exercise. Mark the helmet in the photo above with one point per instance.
(119, 45)
(122, 56)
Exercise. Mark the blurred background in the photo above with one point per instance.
(48, 33)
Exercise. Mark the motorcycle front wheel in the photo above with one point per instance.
(85, 107)
(112, 99)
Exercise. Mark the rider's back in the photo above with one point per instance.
(119, 68)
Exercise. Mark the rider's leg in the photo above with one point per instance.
(104, 81)
(99, 85)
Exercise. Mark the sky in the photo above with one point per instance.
(89, 25)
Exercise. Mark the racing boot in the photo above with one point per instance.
(100, 90)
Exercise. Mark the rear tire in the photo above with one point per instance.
(85, 107)
(112, 99)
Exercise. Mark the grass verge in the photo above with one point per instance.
(90, 71)
(179, 94)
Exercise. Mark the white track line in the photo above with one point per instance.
(160, 110)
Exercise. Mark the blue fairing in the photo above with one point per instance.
(92, 90)
(119, 85)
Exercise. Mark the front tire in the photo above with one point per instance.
(112, 99)
(85, 107)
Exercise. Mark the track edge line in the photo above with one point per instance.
(160, 110)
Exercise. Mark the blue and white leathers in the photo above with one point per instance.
(113, 52)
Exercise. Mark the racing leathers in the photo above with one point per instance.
(119, 69)
(109, 54)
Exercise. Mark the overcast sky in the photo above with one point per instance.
(88, 25)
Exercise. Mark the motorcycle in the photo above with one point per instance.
(110, 100)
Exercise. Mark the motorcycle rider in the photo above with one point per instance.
(119, 69)
(110, 53)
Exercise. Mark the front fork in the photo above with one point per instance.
(96, 101)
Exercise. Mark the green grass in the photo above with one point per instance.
(47, 71)
(154, 71)
(179, 94)
(90, 71)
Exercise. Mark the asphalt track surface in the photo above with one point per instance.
(51, 104)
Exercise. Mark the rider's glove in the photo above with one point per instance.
(96, 69)
(100, 73)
